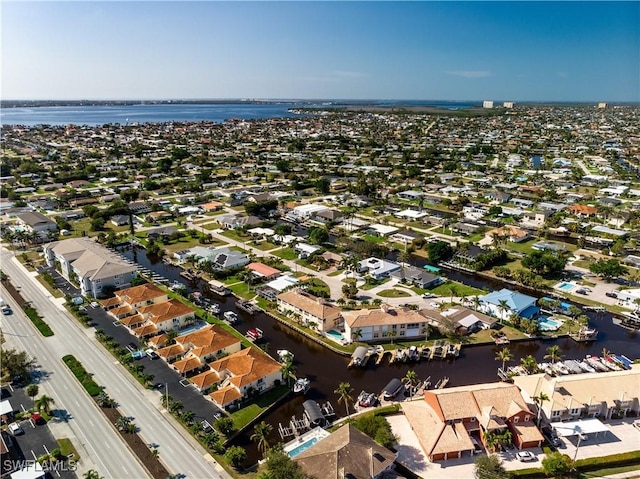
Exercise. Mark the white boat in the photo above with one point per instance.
(573, 366)
(254, 334)
(214, 308)
(285, 355)
(586, 367)
(595, 363)
(560, 368)
(301, 385)
(546, 367)
(230, 316)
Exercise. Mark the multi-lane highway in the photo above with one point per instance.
(179, 455)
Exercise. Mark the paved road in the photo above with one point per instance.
(94, 438)
(179, 453)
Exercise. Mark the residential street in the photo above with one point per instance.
(177, 450)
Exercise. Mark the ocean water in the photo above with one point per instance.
(161, 113)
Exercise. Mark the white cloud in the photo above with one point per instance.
(470, 73)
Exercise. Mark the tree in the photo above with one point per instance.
(439, 251)
(260, 435)
(546, 263)
(557, 464)
(344, 391)
(225, 425)
(608, 269)
(356, 334)
(92, 474)
(504, 355)
(43, 403)
(539, 400)
(411, 378)
(489, 467)
(503, 306)
(553, 353)
(32, 391)
(318, 236)
(123, 423)
(280, 466)
(14, 364)
(529, 363)
(235, 455)
(288, 370)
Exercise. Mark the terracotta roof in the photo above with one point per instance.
(165, 311)
(454, 405)
(122, 310)
(207, 340)
(187, 364)
(170, 351)
(145, 330)
(225, 395)
(583, 209)
(131, 320)
(206, 379)
(382, 316)
(140, 293)
(527, 431)
(508, 231)
(310, 304)
(347, 452)
(246, 366)
(263, 269)
(109, 302)
(159, 341)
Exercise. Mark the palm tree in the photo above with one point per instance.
(504, 355)
(539, 400)
(454, 292)
(426, 330)
(605, 353)
(344, 391)
(529, 363)
(288, 371)
(503, 306)
(553, 353)
(92, 474)
(476, 302)
(411, 378)
(356, 334)
(123, 423)
(260, 435)
(43, 403)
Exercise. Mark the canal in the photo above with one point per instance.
(326, 369)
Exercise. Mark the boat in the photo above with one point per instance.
(177, 287)
(301, 385)
(413, 354)
(452, 351)
(285, 355)
(573, 366)
(220, 290)
(366, 399)
(584, 335)
(595, 363)
(628, 320)
(624, 361)
(392, 389)
(358, 357)
(214, 308)
(546, 367)
(560, 367)
(246, 306)
(609, 362)
(230, 317)
(254, 334)
(586, 367)
(426, 352)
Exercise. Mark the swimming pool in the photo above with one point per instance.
(545, 323)
(304, 442)
(566, 286)
(336, 336)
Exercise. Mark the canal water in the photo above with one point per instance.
(326, 369)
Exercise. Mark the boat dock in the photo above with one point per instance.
(381, 356)
(247, 306)
(295, 427)
(442, 383)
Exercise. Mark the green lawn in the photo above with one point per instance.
(370, 285)
(263, 246)
(461, 289)
(337, 272)
(242, 290)
(375, 239)
(67, 449)
(248, 413)
(235, 236)
(286, 253)
(394, 293)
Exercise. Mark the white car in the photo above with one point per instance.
(15, 428)
(525, 456)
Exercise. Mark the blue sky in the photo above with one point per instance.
(521, 51)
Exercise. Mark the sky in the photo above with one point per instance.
(415, 50)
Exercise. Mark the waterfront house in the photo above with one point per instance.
(346, 453)
(417, 276)
(92, 266)
(382, 323)
(263, 271)
(583, 210)
(589, 395)
(505, 303)
(310, 310)
(511, 233)
(221, 259)
(242, 374)
(466, 321)
(448, 421)
(127, 301)
(377, 268)
(197, 348)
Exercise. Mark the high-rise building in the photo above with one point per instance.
(602, 105)
(508, 104)
(487, 104)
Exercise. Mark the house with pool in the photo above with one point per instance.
(382, 323)
(505, 303)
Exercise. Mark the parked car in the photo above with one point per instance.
(429, 295)
(611, 294)
(6, 310)
(582, 291)
(525, 456)
(152, 354)
(15, 429)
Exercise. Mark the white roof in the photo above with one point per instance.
(261, 231)
(5, 407)
(573, 428)
(384, 229)
(33, 471)
(308, 209)
(307, 248)
(282, 282)
(411, 214)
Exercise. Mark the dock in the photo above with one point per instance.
(381, 357)
(442, 383)
(295, 427)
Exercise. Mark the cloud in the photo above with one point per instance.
(471, 73)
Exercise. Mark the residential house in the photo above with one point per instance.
(90, 264)
(263, 271)
(197, 348)
(410, 195)
(377, 268)
(406, 236)
(466, 321)
(589, 395)
(222, 258)
(449, 421)
(312, 311)
(346, 453)
(147, 310)
(382, 323)
(505, 303)
(535, 219)
(417, 276)
(511, 233)
(35, 222)
(232, 221)
(243, 373)
(583, 210)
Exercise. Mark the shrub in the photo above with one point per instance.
(82, 375)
